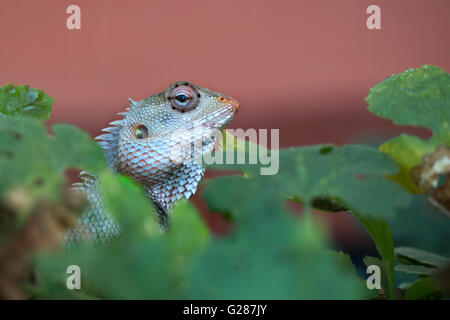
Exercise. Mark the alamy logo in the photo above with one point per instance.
(73, 21)
(74, 278)
(374, 20)
(204, 145)
(374, 280)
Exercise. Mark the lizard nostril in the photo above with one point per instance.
(234, 104)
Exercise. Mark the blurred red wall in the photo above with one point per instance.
(302, 66)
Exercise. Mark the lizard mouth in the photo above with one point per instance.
(221, 117)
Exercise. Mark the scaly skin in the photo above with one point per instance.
(159, 143)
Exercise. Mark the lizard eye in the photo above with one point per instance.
(183, 97)
(140, 132)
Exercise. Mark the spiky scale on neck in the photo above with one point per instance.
(157, 143)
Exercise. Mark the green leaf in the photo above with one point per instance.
(33, 161)
(420, 289)
(291, 265)
(423, 257)
(25, 101)
(382, 235)
(190, 240)
(343, 260)
(418, 97)
(125, 201)
(123, 196)
(416, 269)
(352, 176)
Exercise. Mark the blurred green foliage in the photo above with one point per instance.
(270, 253)
(351, 175)
(32, 159)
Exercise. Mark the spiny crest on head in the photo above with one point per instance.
(134, 104)
(109, 141)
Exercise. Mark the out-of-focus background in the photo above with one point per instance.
(304, 67)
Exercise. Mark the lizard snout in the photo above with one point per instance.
(234, 103)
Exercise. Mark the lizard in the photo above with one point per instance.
(157, 143)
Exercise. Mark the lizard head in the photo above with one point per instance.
(179, 106)
(178, 109)
(150, 143)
